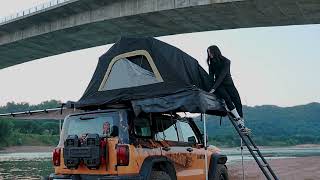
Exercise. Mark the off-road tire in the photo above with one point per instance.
(221, 173)
(159, 175)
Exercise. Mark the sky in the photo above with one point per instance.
(271, 65)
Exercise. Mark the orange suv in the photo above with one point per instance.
(115, 144)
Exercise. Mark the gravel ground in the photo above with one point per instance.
(301, 168)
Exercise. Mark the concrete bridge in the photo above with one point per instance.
(79, 24)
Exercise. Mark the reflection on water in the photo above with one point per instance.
(37, 165)
(25, 169)
(25, 165)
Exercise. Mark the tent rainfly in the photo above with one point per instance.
(152, 76)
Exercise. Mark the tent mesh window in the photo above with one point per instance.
(130, 72)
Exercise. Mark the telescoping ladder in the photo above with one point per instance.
(254, 151)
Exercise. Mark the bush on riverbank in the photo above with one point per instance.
(15, 138)
(18, 139)
(5, 131)
(13, 134)
(28, 132)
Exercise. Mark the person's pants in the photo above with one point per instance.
(231, 96)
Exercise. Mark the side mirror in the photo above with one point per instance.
(192, 140)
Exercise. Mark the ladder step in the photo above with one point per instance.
(250, 144)
(245, 134)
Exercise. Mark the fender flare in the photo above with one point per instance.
(146, 168)
(214, 161)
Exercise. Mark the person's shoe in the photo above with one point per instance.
(240, 124)
(245, 130)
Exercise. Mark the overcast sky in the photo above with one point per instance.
(275, 65)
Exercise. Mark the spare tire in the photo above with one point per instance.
(159, 175)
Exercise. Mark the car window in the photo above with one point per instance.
(166, 130)
(106, 124)
(187, 132)
(142, 127)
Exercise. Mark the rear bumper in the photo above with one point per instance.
(93, 177)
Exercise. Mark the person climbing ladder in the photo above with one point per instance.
(223, 86)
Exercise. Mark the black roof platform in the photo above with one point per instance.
(192, 100)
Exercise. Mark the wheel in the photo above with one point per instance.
(159, 175)
(222, 173)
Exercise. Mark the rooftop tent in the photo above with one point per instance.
(146, 72)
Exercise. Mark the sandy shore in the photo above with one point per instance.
(302, 168)
(23, 149)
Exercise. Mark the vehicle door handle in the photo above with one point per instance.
(166, 148)
(189, 149)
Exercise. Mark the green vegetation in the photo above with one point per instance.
(18, 107)
(271, 126)
(28, 132)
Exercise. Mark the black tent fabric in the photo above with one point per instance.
(144, 70)
(192, 100)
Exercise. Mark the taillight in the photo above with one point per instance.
(56, 156)
(103, 150)
(122, 155)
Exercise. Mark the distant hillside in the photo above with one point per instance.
(271, 126)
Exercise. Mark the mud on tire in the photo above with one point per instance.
(159, 175)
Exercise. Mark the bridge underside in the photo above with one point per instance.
(78, 25)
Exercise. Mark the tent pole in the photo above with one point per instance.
(59, 126)
(205, 145)
(242, 159)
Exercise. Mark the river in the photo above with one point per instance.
(37, 165)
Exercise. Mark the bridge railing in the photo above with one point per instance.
(29, 11)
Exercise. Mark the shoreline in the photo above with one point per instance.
(267, 147)
(27, 149)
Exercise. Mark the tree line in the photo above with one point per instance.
(28, 132)
(271, 126)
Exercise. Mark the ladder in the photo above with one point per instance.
(263, 165)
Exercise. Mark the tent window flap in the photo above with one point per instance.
(130, 70)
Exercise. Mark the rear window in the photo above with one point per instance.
(111, 124)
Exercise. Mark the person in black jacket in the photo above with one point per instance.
(223, 86)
